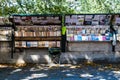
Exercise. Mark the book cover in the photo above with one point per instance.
(100, 38)
(80, 19)
(43, 43)
(55, 33)
(83, 38)
(58, 43)
(107, 37)
(40, 33)
(96, 17)
(93, 37)
(104, 38)
(88, 19)
(95, 22)
(83, 31)
(46, 43)
(89, 38)
(39, 44)
(23, 43)
(68, 37)
(58, 33)
(75, 37)
(96, 38)
(17, 44)
(28, 44)
(71, 38)
(34, 44)
(79, 38)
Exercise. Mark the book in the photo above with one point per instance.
(34, 44)
(23, 43)
(80, 19)
(58, 44)
(79, 38)
(28, 44)
(95, 22)
(104, 38)
(71, 38)
(58, 33)
(46, 43)
(75, 38)
(100, 38)
(88, 19)
(17, 44)
(40, 44)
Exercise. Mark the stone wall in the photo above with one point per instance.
(90, 46)
(75, 54)
(88, 51)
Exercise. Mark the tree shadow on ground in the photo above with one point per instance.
(61, 72)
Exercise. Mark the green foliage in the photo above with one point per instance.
(8, 7)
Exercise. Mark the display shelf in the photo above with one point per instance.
(37, 43)
(37, 31)
(88, 27)
(6, 25)
(37, 19)
(6, 38)
(31, 47)
(52, 38)
(87, 41)
(5, 34)
(87, 19)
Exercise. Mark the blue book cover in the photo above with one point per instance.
(107, 38)
(28, 44)
(93, 37)
(96, 38)
(79, 38)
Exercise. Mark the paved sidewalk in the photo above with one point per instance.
(61, 72)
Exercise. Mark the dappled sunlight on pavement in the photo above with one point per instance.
(61, 72)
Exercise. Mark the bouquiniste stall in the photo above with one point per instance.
(81, 33)
(87, 30)
(6, 36)
(37, 31)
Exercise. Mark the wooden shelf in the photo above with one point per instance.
(31, 47)
(50, 38)
(5, 40)
(84, 25)
(88, 41)
(37, 24)
(6, 25)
